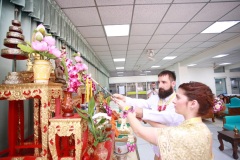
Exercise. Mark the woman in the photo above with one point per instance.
(191, 140)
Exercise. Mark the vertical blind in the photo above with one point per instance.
(58, 24)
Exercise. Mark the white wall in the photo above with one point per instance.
(130, 79)
(185, 74)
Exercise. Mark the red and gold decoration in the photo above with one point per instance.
(15, 94)
(65, 127)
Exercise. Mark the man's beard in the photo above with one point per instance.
(165, 93)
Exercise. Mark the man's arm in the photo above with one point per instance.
(169, 116)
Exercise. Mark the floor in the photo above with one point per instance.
(146, 153)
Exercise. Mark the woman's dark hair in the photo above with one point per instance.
(201, 93)
(171, 74)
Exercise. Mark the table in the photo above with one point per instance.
(230, 137)
(65, 126)
(15, 94)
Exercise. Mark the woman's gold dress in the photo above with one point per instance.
(191, 140)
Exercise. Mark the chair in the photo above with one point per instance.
(230, 122)
(233, 108)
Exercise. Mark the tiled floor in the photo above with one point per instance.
(146, 153)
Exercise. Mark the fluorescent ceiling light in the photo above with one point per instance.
(119, 67)
(169, 57)
(147, 71)
(190, 65)
(223, 64)
(219, 27)
(119, 59)
(155, 66)
(117, 30)
(220, 55)
(119, 72)
(120, 75)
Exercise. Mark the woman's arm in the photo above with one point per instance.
(155, 124)
(147, 133)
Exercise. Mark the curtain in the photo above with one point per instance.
(54, 19)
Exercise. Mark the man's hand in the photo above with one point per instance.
(120, 103)
(119, 97)
(139, 112)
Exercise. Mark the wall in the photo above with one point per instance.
(185, 74)
(130, 79)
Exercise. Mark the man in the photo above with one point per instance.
(153, 90)
(159, 108)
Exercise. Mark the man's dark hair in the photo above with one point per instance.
(171, 74)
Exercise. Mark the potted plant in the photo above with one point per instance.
(100, 128)
(42, 49)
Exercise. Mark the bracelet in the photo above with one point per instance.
(126, 110)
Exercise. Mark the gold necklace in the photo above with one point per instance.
(162, 107)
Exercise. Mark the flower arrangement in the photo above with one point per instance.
(99, 124)
(74, 72)
(218, 105)
(43, 44)
(103, 103)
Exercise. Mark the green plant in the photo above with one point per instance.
(98, 124)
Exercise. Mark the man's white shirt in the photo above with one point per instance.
(150, 110)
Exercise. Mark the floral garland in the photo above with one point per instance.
(131, 145)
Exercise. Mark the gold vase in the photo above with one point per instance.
(42, 70)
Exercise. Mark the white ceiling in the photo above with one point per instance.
(169, 27)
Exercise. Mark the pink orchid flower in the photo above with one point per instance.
(78, 59)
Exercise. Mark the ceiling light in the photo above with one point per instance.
(148, 71)
(223, 64)
(190, 65)
(119, 67)
(169, 57)
(117, 30)
(119, 59)
(155, 66)
(219, 27)
(119, 72)
(220, 55)
(142, 74)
